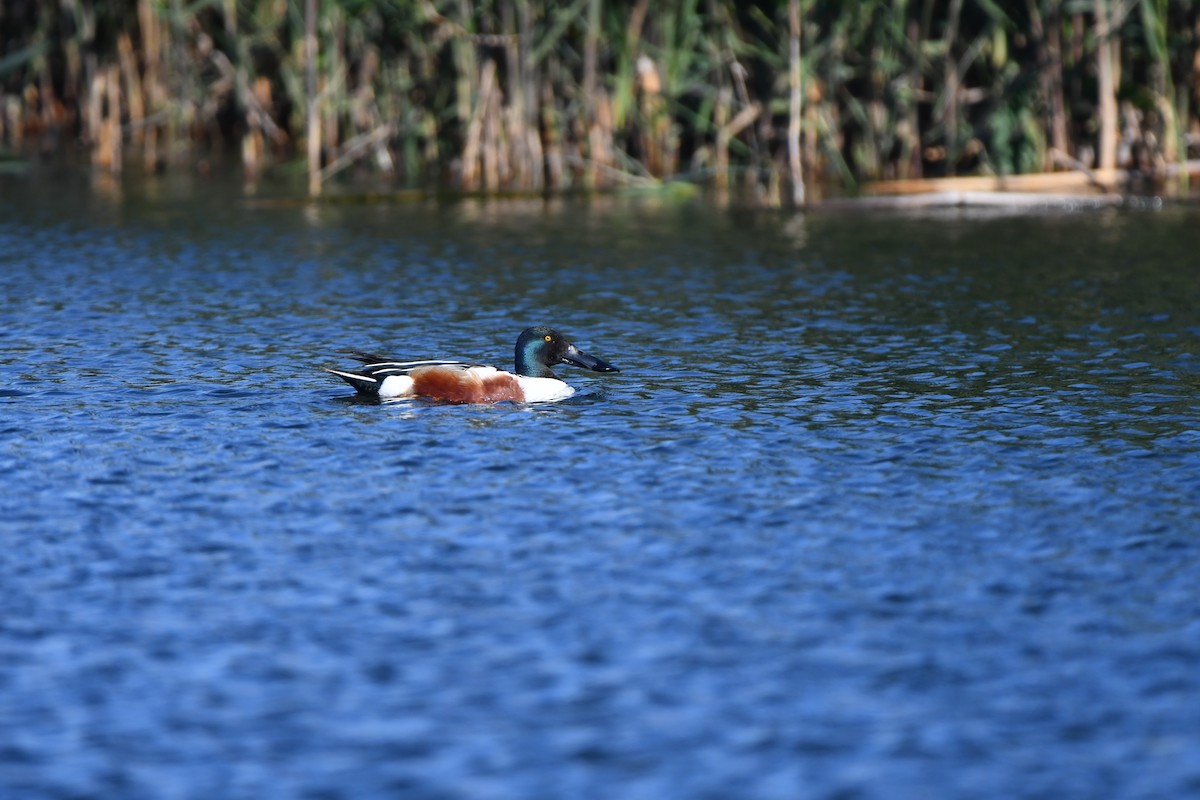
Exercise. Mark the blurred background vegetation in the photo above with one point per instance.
(527, 95)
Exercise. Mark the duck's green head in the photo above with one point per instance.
(540, 348)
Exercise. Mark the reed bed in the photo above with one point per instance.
(784, 98)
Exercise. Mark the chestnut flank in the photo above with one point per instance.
(464, 386)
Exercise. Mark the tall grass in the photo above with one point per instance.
(528, 95)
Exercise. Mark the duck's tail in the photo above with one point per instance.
(363, 384)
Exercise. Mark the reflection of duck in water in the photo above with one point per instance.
(538, 349)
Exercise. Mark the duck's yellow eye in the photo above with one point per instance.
(548, 338)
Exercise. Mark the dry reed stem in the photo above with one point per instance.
(1106, 86)
(313, 125)
(795, 103)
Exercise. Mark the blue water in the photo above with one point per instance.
(892, 506)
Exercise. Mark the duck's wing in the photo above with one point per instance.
(369, 378)
(405, 367)
(374, 362)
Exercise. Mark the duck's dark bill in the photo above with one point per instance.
(581, 359)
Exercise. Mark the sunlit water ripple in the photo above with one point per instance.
(885, 506)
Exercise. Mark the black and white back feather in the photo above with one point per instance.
(376, 369)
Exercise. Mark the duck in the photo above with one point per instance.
(533, 381)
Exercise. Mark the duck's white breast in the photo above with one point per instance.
(544, 390)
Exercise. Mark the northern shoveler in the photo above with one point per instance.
(537, 350)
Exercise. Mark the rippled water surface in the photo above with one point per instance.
(879, 506)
